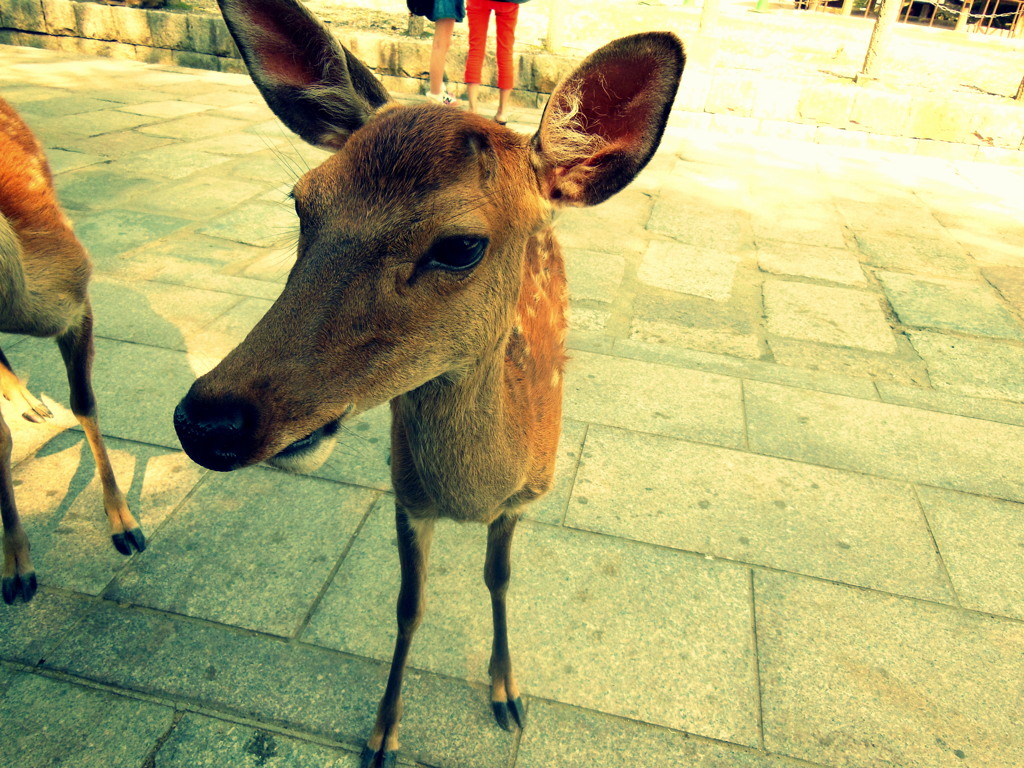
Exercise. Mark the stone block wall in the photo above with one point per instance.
(157, 36)
(828, 110)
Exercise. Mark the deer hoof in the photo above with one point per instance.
(40, 410)
(137, 538)
(123, 542)
(368, 759)
(24, 584)
(502, 710)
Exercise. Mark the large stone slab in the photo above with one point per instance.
(305, 689)
(255, 223)
(835, 525)
(654, 398)
(949, 402)
(235, 144)
(77, 103)
(817, 262)
(974, 367)
(689, 219)
(202, 197)
(62, 160)
(566, 736)
(169, 162)
(110, 233)
(31, 630)
(100, 187)
(941, 255)
(837, 316)
(760, 370)
(982, 544)
(898, 214)
(810, 224)
(193, 127)
(165, 109)
(202, 742)
(158, 314)
(594, 276)
(46, 722)
(905, 367)
(680, 321)
(212, 560)
(689, 269)
(886, 440)
(196, 254)
(969, 308)
(578, 231)
(851, 678)
(94, 123)
(109, 145)
(8, 674)
(582, 628)
(1009, 281)
(271, 165)
(61, 502)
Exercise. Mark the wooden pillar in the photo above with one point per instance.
(881, 36)
(415, 28)
(965, 14)
(708, 15)
(556, 19)
(981, 21)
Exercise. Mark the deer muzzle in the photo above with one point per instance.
(217, 434)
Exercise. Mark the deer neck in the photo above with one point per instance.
(459, 442)
(457, 409)
(454, 447)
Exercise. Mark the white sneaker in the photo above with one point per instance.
(441, 98)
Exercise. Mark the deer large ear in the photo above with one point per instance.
(317, 87)
(603, 122)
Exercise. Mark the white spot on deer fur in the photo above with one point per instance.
(36, 177)
(556, 378)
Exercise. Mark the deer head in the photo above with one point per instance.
(411, 235)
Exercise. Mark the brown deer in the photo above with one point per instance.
(44, 276)
(427, 275)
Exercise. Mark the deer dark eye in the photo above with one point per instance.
(456, 253)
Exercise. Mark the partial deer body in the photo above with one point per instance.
(427, 275)
(44, 276)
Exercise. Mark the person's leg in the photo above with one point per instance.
(478, 15)
(439, 54)
(505, 20)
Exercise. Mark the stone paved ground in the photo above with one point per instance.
(788, 529)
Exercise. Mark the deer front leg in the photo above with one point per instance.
(505, 700)
(14, 390)
(77, 349)
(414, 538)
(19, 577)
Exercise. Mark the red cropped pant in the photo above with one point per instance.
(478, 13)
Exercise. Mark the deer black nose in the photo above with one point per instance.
(215, 433)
